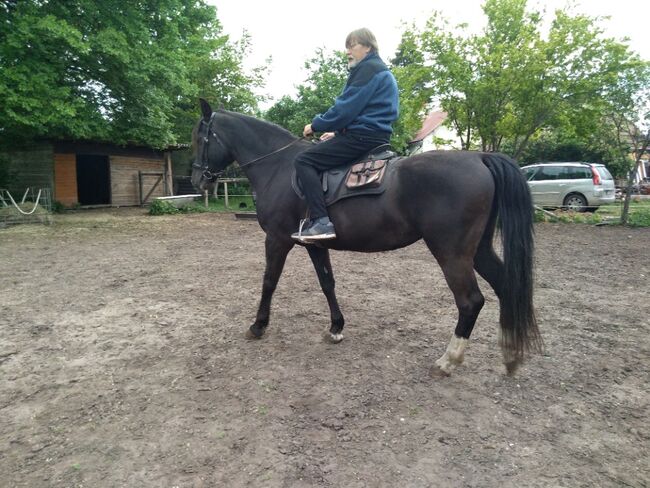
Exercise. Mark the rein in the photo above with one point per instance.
(241, 165)
(205, 164)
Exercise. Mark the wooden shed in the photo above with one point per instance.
(91, 174)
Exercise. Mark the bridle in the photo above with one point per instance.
(204, 165)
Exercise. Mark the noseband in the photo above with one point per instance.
(204, 165)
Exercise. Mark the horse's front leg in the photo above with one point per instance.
(276, 255)
(321, 259)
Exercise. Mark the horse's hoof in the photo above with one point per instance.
(332, 338)
(251, 336)
(437, 372)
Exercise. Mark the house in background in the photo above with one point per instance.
(91, 174)
(434, 134)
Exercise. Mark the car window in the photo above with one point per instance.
(578, 173)
(528, 173)
(604, 173)
(547, 173)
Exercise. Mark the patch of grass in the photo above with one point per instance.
(267, 387)
(640, 218)
(639, 215)
(568, 217)
(235, 204)
(416, 410)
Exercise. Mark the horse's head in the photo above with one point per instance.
(211, 156)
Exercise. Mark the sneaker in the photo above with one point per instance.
(319, 229)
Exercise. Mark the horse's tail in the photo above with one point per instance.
(515, 213)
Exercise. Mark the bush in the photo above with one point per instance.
(57, 207)
(193, 208)
(162, 207)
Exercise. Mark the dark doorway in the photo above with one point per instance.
(93, 180)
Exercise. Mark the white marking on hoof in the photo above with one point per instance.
(454, 354)
(336, 338)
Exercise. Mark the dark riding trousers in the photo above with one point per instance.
(344, 148)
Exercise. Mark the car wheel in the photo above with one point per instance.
(575, 202)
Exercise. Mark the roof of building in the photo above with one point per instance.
(430, 123)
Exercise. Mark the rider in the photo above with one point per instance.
(360, 120)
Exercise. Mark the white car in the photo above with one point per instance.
(574, 186)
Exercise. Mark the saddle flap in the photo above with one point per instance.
(366, 173)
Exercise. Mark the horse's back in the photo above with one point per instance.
(450, 167)
(459, 178)
(448, 194)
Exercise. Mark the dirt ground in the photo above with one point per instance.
(123, 363)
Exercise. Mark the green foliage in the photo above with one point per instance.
(162, 207)
(639, 218)
(504, 86)
(6, 175)
(327, 74)
(58, 207)
(124, 72)
(413, 80)
(639, 215)
(235, 203)
(567, 217)
(564, 145)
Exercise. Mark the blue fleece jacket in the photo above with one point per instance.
(369, 102)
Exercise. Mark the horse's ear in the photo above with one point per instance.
(206, 110)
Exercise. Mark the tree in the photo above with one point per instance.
(327, 73)
(629, 115)
(125, 72)
(414, 83)
(504, 86)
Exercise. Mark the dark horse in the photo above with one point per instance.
(451, 200)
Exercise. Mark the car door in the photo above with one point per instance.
(546, 185)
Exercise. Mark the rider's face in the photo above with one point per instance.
(356, 52)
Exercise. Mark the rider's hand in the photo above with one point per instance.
(307, 131)
(327, 135)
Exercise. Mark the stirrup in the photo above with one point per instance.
(298, 235)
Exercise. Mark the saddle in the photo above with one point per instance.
(367, 176)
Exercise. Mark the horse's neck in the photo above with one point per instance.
(268, 172)
(253, 144)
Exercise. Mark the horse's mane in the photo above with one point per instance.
(260, 125)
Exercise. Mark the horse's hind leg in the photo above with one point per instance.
(469, 300)
(490, 266)
(320, 257)
(487, 263)
(276, 255)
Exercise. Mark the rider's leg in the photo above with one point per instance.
(337, 151)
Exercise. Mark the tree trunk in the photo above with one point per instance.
(625, 213)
